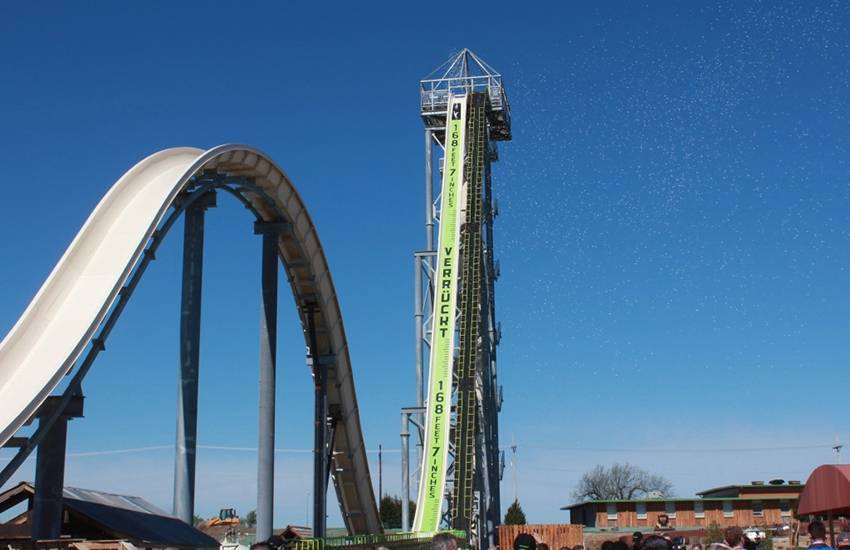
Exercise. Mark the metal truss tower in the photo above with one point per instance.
(476, 467)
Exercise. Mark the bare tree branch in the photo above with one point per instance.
(620, 482)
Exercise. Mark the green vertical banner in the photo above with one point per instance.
(432, 483)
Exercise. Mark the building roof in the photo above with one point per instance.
(124, 502)
(827, 490)
(737, 489)
(672, 499)
(725, 492)
(296, 531)
(721, 489)
(119, 516)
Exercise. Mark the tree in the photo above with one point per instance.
(620, 481)
(197, 520)
(515, 515)
(250, 519)
(713, 533)
(391, 512)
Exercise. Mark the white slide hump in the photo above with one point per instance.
(63, 316)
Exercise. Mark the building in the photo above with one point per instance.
(116, 522)
(758, 503)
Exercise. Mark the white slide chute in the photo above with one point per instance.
(432, 483)
(62, 318)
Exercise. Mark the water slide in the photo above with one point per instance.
(432, 482)
(60, 322)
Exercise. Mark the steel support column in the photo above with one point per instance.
(50, 465)
(320, 454)
(49, 482)
(429, 190)
(268, 367)
(419, 317)
(421, 261)
(419, 313)
(429, 247)
(405, 471)
(408, 417)
(190, 334)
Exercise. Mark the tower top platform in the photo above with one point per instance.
(464, 72)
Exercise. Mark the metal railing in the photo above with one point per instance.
(393, 541)
(434, 94)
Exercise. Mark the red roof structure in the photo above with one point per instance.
(827, 491)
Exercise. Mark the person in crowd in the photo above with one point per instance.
(524, 541)
(734, 536)
(444, 541)
(542, 546)
(608, 545)
(817, 535)
(274, 542)
(620, 545)
(696, 546)
(656, 542)
(578, 547)
(843, 541)
(637, 538)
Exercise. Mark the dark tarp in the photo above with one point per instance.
(140, 526)
(95, 513)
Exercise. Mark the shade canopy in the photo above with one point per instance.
(827, 490)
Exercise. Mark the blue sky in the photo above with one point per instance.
(673, 232)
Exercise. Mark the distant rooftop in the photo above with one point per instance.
(774, 484)
(726, 492)
(671, 499)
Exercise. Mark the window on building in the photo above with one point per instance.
(758, 509)
(612, 511)
(699, 509)
(785, 508)
(640, 508)
(727, 509)
(670, 509)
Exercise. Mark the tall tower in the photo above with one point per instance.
(474, 466)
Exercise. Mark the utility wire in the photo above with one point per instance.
(203, 447)
(121, 451)
(649, 450)
(673, 450)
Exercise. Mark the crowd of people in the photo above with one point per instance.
(733, 539)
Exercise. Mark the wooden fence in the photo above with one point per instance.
(557, 536)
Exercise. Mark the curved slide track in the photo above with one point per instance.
(61, 321)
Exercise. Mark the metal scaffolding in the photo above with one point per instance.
(463, 73)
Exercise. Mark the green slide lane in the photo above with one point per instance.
(432, 483)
